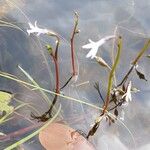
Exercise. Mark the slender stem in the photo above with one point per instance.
(66, 83)
(54, 56)
(56, 85)
(126, 76)
(105, 106)
(116, 105)
(112, 52)
(139, 55)
(142, 51)
(57, 43)
(74, 72)
(96, 86)
(56, 73)
(111, 75)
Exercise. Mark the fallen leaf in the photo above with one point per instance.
(61, 137)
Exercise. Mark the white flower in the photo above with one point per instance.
(35, 29)
(95, 45)
(127, 95)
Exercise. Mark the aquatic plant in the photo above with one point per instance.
(118, 95)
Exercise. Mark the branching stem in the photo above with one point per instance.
(135, 61)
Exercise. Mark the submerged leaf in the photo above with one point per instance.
(141, 75)
(5, 98)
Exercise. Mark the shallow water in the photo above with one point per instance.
(97, 18)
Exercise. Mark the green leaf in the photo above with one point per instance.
(5, 98)
(49, 48)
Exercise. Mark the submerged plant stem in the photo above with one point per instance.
(57, 43)
(74, 72)
(111, 75)
(142, 51)
(57, 90)
(56, 73)
(135, 61)
(105, 106)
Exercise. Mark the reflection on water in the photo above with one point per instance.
(97, 19)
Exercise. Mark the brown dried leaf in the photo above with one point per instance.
(116, 112)
(102, 62)
(141, 75)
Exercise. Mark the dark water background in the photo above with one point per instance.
(97, 18)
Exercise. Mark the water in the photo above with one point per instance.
(97, 18)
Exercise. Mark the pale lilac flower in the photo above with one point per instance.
(95, 45)
(35, 29)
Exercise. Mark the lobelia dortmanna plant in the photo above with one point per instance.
(54, 55)
(118, 95)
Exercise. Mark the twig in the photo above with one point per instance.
(134, 63)
(75, 31)
(74, 72)
(96, 86)
(66, 83)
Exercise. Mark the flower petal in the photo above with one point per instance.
(92, 53)
(109, 37)
(101, 42)
(87, 46)
(31, 25)
(35, 24)
(91, 41)
(29, 32)
(95, 45)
